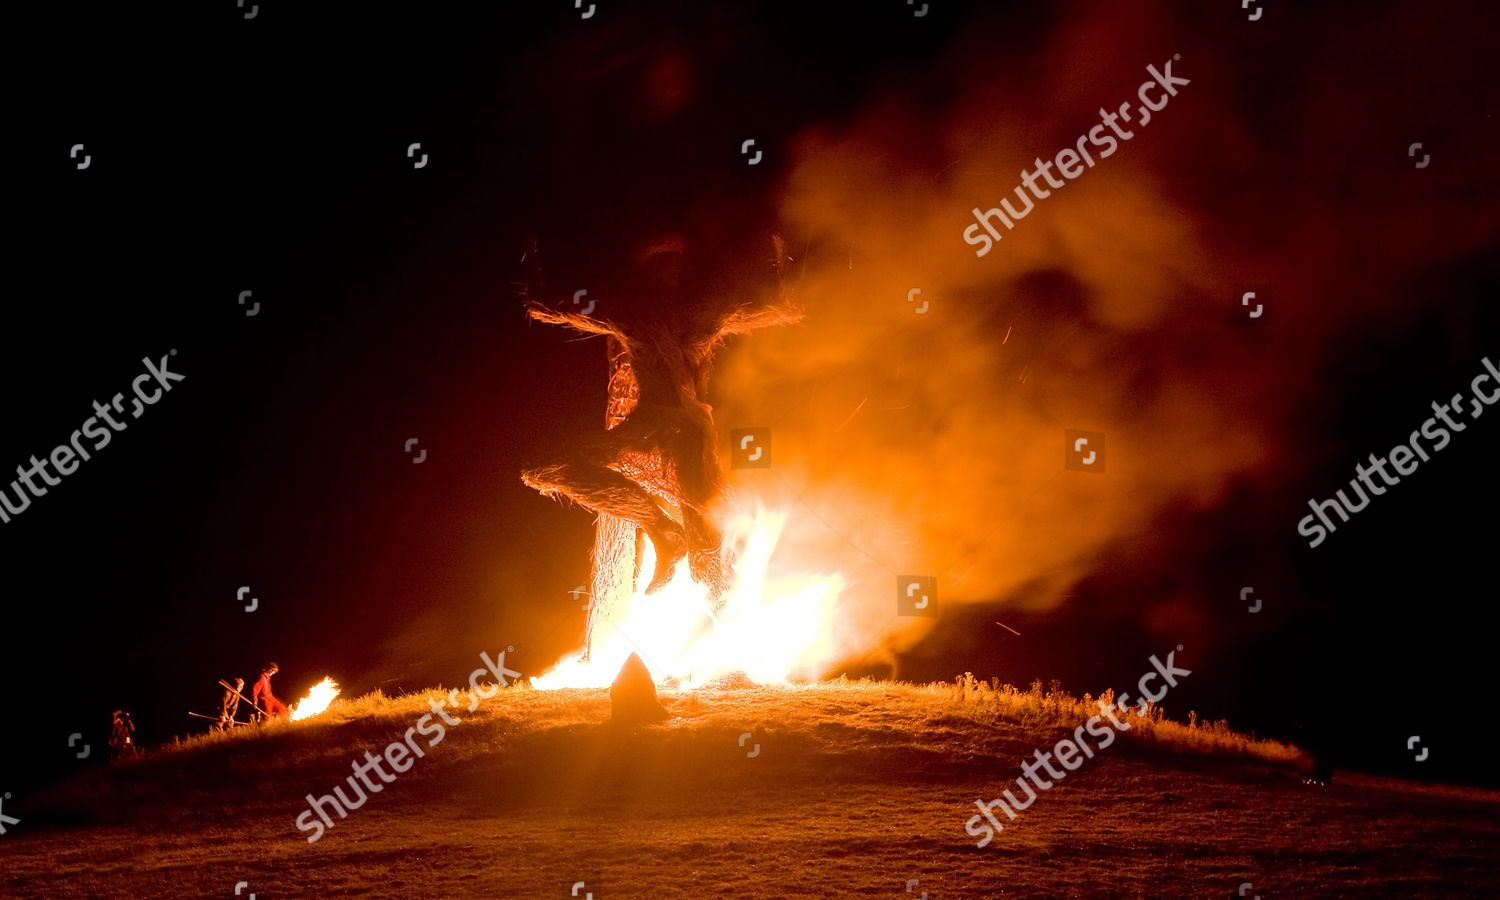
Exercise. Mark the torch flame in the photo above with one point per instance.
(316, 701)
(774, 627)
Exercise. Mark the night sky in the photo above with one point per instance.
(270, 156)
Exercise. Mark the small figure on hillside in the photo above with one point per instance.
(632, 698)
(262, 697)
(1317, 762)
(121, 736)
(1322, 770)
(230, 704)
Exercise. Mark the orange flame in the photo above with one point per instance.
(774, 627)
(316, 701)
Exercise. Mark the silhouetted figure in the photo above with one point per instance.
(122, 735)
(230, 704)
(1322, 769)
(261, 695)
(1316, 764)
(632, 697)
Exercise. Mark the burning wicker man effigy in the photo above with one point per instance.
(657, 454)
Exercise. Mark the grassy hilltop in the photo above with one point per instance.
(856, 788)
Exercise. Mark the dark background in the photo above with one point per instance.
(270, 156)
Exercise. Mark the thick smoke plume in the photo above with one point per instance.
(933, 443)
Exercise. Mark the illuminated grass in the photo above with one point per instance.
(848, 788)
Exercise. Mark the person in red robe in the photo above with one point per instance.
(261, 695)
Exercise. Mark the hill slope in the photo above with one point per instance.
(855, 789)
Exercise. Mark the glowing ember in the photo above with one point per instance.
(774, 627)
(316, 700)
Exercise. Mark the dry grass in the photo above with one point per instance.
(856, 787)
(976, 702)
